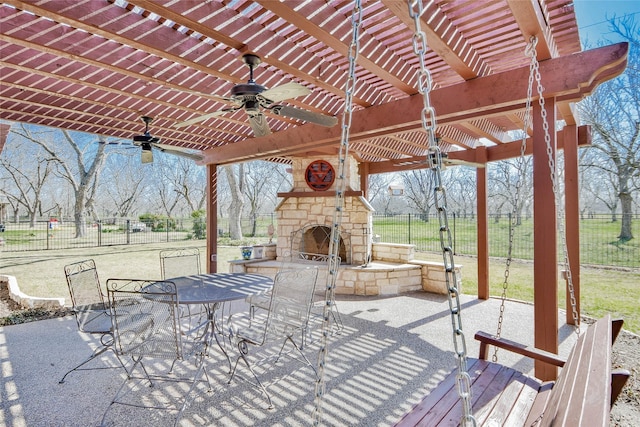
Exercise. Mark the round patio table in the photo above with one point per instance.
(213, 289)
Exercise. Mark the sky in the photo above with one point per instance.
(593, 17)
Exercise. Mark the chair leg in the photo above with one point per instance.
(299, 350)
(97, 352)
(244, 350)
(337, 319)
(193, 383)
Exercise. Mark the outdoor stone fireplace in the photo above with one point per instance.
(305, 217)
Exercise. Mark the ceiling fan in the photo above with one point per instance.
(254, 99)
(147, 142)
(419, 161)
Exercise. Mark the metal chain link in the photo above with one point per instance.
(334, 243)
(530, 51)
(556, 192)
(429, 124)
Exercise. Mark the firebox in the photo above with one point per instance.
(315, 239)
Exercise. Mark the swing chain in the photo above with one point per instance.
(434, 157)
(530, 50)
(334, 243)
(553, 171)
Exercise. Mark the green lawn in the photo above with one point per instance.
(603, 290)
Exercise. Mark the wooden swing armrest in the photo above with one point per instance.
(486, 340)
(619, 378)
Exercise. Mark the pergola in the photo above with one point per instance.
(97, 66)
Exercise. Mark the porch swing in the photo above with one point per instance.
(495, 395)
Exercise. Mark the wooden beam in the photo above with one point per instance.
(571, 76)
(212, 218)
(239, 45)
(444, 39)
(284, 11)
(481, 155)
(532, 20)
(4, 132)
(545, 243)
(483, 228)
(569, 137)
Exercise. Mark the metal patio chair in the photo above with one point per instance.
(179, 262)
(147, 327)
(288, 315)
(289, 260)
(182, 262)
(90, 310)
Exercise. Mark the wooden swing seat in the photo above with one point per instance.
(582, 395)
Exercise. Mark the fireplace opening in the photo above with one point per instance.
(314, 239)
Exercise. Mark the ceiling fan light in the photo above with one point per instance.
(146, 155)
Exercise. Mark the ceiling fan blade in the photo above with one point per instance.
(179, 151)
(463, 163)
(305, 115)
(205, 117)
(285, 91)
(259, 124)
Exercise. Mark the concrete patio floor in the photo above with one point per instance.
(391, 352)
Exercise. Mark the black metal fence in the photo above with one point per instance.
(54, 234)
(599, 243)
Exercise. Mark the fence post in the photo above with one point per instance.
(454, 234)
(99, 233)
(128, 232)
(48, 232)
(409, 226)
(511, 225)
(167, 228)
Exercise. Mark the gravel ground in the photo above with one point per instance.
(626, 354)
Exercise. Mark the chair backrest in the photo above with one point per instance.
(291, 299)
(144, 315)
(87, 298)
(179, 262)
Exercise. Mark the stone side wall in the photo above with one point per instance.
(433, 276)
(380, 279)
(27, 301)
(393, 271)
(390, 279)
(393, 252)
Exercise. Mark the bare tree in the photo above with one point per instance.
(178, 185)
(262, 182)
(613, 111)
(418, 189)
(378, 191)
(235, 178)
(462, 190)
(27, 172)
(504, 177)
(126, 183)
(78, 159)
